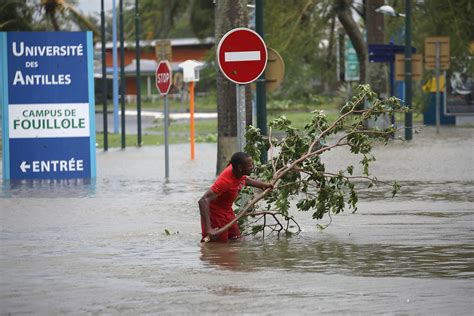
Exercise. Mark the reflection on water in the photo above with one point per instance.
(410, 190)
(105, 187)
(414, 190)
(224, 255)
(332, 256)
(100, 247)
(77, 188)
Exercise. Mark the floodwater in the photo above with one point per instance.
(100, 247)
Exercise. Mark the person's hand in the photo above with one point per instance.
(211, 233)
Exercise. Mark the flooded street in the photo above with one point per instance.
(100, 247)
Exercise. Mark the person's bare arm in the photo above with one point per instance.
(204, 202)
(257, 184)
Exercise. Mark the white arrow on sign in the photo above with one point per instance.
(24, 166)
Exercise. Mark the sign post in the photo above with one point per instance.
(437, 56)
(191, 75)
(163, 84)
(242, 58)
(47, 96)
(417, 67)
(275, 71)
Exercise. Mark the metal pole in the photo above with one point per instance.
(167, 123)
(104, 76)
(167, 165)
(261, 91)
(392, 85)
(122, 75)
(408, 88)
(115, 67)
(437, 87)
(138, 81)
(191, 116)
(338, 70)
(240, 96)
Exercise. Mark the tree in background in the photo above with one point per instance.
(47, 15)
(15, 15)
(61, 12)
(439, 18)
(304, 52)
(343, 9)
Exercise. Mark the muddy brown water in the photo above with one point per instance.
(100, 247)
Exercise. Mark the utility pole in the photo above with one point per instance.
(408, 76)
(104, 76)
(261, 92)
(122, 75)
(138, 81)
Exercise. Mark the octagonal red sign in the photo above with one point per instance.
(163, 77)
(242, 55)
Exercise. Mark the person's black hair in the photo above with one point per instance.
(238, 159)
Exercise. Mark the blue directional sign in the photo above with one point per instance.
(381, 53)
(47, 105)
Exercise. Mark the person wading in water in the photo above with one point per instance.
(215, 205)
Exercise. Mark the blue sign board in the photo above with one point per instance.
(47, 105)
(380, 53)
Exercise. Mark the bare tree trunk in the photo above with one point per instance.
(330, 56)
(377, 77)
(54, 21)
(344, 14)
(229, 14)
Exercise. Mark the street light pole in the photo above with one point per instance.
(104, 76)
(122, 75)
(408, 74)
(138, 78)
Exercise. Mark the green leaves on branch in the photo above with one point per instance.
(295, 167)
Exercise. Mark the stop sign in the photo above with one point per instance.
(242, 55)
(163, 77)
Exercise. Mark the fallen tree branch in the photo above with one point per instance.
(299, 154)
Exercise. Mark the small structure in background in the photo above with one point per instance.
(182, 49)
(191, 75)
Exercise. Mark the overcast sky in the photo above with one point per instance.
(93, 6)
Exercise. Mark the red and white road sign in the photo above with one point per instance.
(163, 77)
(242, 55)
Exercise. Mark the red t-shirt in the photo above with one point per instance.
(227, 187)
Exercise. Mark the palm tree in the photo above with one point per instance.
(53, 8)
(15, 15)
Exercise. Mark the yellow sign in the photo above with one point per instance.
(275, 71)
(416, 66)
(444, 52)
(163, 50)
(430, 85)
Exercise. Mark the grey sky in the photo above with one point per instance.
(93, 6)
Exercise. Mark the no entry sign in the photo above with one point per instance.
(242, 55)
(163, 77)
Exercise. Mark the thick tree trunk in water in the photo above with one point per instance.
(229, 14)
(344, 14)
